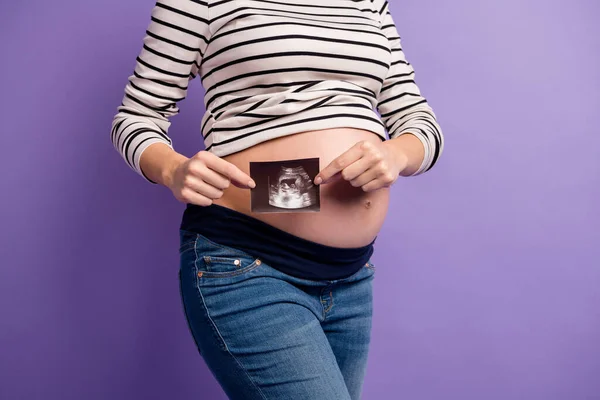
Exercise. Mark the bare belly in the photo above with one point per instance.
(349, 217)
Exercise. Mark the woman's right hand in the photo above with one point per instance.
(202, 178)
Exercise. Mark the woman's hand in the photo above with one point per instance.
(368, 165)
(201, 179)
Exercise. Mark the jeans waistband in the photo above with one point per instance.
(282, 250)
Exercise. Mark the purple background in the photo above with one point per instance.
(488, 282)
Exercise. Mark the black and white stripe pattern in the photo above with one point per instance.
(272, 68)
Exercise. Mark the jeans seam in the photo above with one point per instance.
(185, 313)
(186, 247)
(328, 288)
(214, 325)
(229, 274)
(331, 297)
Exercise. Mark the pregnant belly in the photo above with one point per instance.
(348, 217)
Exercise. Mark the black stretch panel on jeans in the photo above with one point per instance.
(279, 249)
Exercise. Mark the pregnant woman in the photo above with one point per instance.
(279, 304)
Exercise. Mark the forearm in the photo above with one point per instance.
(405, 112)
(176, 38)
(412, 147)
(159, 161)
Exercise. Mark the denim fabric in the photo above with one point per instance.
(268, 335)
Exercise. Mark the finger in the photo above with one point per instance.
(202, 187)
(365, 177)
(192, 197)
(214, 178)
(373, 185)
(248, 185)
(339, 163)
(383, 181)
(336, 177)
(356, 169)
(231, 171)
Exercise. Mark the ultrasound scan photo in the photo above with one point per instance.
(285, 186)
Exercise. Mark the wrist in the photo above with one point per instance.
(169, 169)
(410, 151)
(159, 162)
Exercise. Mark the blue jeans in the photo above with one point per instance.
(268, 335)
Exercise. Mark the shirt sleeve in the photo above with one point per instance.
(402, 107)
(175, 41)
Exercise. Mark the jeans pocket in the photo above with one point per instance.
(214, 260)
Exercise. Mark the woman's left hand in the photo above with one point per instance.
(367, 165)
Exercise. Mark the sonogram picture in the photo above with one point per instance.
(285, 186)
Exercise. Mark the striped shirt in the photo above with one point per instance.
(273, 68)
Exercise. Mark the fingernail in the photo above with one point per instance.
(252, 184)
(318, 180)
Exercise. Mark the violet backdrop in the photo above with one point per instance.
(488, 280)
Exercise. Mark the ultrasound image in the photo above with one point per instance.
(285, 186)
(292, 189)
